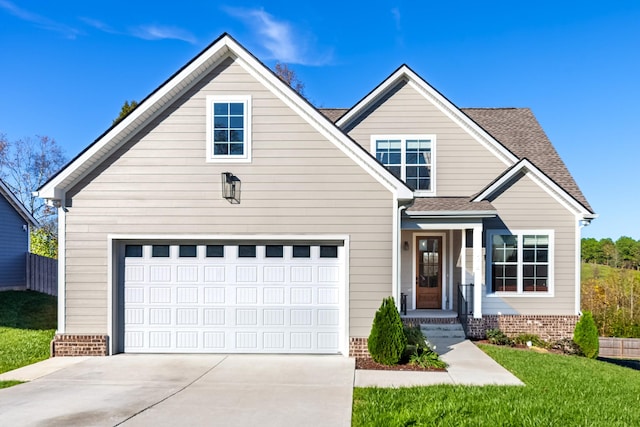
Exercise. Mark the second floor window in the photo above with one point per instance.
(228, 128)
(410, 158)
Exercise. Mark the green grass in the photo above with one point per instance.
(27, 325)
(590, 271)
(560, 391)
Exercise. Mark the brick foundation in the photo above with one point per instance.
(79, 345)
(549, 328)
(358, 347)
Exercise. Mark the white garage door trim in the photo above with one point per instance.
(117, 242)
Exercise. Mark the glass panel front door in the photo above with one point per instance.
(429, 272)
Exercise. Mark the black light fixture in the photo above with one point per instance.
(231, 187)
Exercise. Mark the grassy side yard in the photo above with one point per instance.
(27, 325)
(560, 391)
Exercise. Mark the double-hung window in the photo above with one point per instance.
(229, 128)
(409, 157)
(520, 262)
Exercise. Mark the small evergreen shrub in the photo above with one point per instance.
(387, 341)
(585, 335)
(415, 337)
(497, 337)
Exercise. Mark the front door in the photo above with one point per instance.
(429, 272)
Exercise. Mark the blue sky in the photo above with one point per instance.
(68, 66)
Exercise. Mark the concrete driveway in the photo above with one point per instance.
(193, 390)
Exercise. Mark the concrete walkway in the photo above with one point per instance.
(468, 365)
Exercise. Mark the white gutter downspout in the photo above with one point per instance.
(395, 263)
(580, 224)
(62, 249)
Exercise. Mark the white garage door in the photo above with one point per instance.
(233, 298)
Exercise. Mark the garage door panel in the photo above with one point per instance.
(237, 305)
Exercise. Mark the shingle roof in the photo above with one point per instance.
(519, 131)
(333, 114)
(449, 204)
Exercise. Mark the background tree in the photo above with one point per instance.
(125, 110)
(290, 77)
(591, 250)
(26, 164)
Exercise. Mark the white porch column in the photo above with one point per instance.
(477, 271)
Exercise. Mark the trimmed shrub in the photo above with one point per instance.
(387, 341)
(415, 337)
(586, 335)
(497, 337)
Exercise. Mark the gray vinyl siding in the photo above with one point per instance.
(160, 183)
(14, 244)
(463, 165)
(526, 206)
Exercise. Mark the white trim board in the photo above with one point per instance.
(537, 176)
(404, 73)
(193, 72)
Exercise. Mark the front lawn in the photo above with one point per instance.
(560, 391)
(27, 325)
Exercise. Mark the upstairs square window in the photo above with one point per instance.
(228, 128)
(410, 158)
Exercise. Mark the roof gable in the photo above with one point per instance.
(17, 205)
(520, 132)
(153, 105)
(551, 187)
(404, 74)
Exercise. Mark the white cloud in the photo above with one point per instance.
(39, 20)
(281, 40)
(396, 17)
(99, 25)
(160, 32)
(145, 32)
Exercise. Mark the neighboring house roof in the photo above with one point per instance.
(17, 205)
(459, 206)
(184, 79)
(520, 132)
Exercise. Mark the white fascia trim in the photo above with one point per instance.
(550, 187)
(135, 119)
(17, 205)
(321, 124)
(449, 214)
(62, 263)
(444, 105)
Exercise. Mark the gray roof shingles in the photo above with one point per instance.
(517, 130)
(449, 204)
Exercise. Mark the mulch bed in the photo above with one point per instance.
(367, 363)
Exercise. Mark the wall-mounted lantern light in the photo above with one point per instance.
(231, 187)
(405, 245)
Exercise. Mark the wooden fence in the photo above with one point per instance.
(42, 274)
(620, 347)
